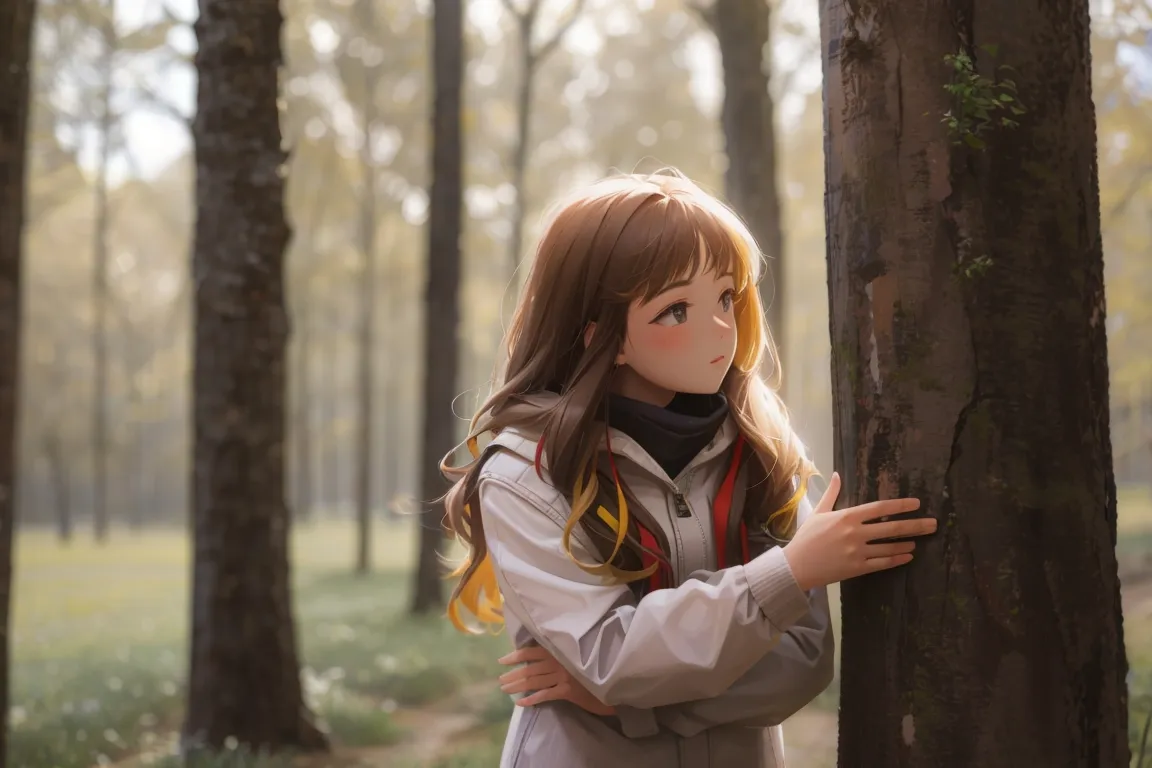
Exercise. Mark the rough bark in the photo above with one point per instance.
(244, 677)
(982, 391)
(748, 119)
(16, 19)
(442, 296)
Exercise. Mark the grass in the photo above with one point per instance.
(99, 646)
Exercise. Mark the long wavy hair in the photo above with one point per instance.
(623, 239)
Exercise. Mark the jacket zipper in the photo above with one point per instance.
(682, 509)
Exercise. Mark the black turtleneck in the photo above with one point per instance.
(672, 435)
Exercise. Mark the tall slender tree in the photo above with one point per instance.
(532, 55)
(970, 370)
(442, 296)
(244, 680)
(367, 289)
(16, 19)
(102, 219)
(748, 116)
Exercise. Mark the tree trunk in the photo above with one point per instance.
(970, 371)
(100, 442)
(524, 91)
(366, 342)
(330, 475)
(442, 299)
(59, 481)
(244, 678)
(16, 16)
(303, 492)
(748, 118)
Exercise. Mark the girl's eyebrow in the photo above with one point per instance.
(685, 281)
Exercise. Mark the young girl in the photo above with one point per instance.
(626, 518)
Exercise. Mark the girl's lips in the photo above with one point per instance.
(717, 360)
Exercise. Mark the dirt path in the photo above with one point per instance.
(431, 733)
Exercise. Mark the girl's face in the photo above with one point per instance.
(682, 340)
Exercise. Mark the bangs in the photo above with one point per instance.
(674, 237)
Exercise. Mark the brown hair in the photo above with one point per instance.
(621, 240)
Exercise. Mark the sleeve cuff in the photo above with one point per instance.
(775, 589)
(637, 723)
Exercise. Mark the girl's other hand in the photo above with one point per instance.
(834, 545)
(548, 680)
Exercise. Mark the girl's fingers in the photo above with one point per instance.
(898, 529)
(536, 668)
(534, 683)
(883, 563)
(875, 509)
(530, 653)
(887, 550)
(555, 693)
(828, 500)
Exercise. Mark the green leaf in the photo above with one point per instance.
(1006, 98)
(992, 48)
(973, 141)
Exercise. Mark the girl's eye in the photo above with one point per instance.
(726, 299)
(674, 315)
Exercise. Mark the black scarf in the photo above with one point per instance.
(672, 435)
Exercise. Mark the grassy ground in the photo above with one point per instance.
(99, 648)
(99, 655)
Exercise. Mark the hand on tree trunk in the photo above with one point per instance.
(834, 545)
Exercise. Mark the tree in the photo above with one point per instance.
(965, 279)
(101, 445)
(532, 55)
(244, 678)
(442, 296)
(748, 118)
(15, 86)
(366, 333)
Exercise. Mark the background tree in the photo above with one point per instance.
(748, 117)
(532, 54)
(970, 370)
(442, 297)
(15, 87)
(243, 681)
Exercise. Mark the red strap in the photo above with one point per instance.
(662, 575)
(722, 506)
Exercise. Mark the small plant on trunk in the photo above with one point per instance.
(979, 102)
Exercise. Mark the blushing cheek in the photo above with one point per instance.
(667, 338)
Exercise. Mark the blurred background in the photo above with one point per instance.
(102, 556)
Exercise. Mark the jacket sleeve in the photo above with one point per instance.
(787, 678)
(675, 645)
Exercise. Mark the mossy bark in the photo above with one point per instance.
(985, 395)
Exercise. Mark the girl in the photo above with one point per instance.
(625, 520)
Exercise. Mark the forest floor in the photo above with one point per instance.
(99, 654)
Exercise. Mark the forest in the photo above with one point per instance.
(256, 263)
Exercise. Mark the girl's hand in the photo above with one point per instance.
(549, 681)
(833, 545)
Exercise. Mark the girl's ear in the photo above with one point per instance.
(589, 332)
